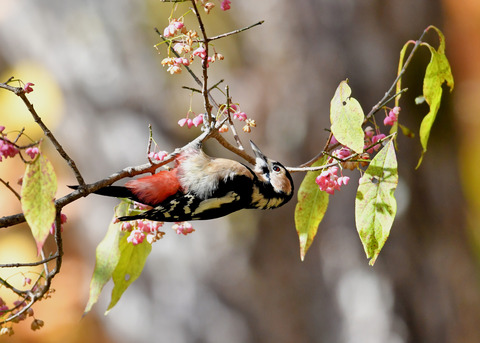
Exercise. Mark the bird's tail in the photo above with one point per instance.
(114, 191)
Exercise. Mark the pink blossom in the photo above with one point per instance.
(225, 5)
(342, 153)
(183, 228)
(240, 116)
(173, 27)
(198, 120)
(375, 139)
(136, 237)
(369, 131)
(63, 218)
(7, 149)
(158, 156)
(233, 108)
(180, 48)
(28, 87)
(2, 128)
(200, 52)
(182, 60)
(329, 181)
(126, 226)
(32, 152)
(27, 281)
(392, 116)
(184, 121)
(333, 141)
(178, 25)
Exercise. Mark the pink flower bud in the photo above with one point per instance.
(32, 152)
(28, 87)
(182, 122)
(225, 5)
(240, 116)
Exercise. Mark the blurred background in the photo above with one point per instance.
(99, 83)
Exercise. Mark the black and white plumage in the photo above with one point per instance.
(201, 187)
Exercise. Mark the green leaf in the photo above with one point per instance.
(107, 257)
(38, 194)
(437, 73)
(346, 116)
(311, 207)
(375, 205)
(129, 267)
(400, 67)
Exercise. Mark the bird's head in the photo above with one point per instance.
(274, 178)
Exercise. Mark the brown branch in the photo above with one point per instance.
(205, 92)
(21, 93)
(388, 94)
(7, 184)
(28, 264)
(52, 139)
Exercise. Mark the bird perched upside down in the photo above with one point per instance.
(200, 187)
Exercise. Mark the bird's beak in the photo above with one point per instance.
(258, 153)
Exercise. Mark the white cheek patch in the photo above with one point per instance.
(216, 202)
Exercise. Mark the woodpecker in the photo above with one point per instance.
(201, 187)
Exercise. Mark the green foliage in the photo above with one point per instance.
(129, 267)
(107, 256)
(38, 194)
(346, 116)
(311, 207)
(375, 205)
(117, 259)
(438, 72)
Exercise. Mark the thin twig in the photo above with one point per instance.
(28, 264)
(236, 31)
(206, 40)
(21, 93)
(7, 184)
(339, 160)
(399, 76)
(230, 121)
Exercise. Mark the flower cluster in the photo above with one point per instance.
(196, 121)
(234, 110)
(392, 116)
(329, 181)
(7, 149)
(18, 306)
(187, 46)
(141, 229)
(183, 228)
(157, 156)
(371, 139)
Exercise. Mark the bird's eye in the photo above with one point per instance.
(276, 169)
